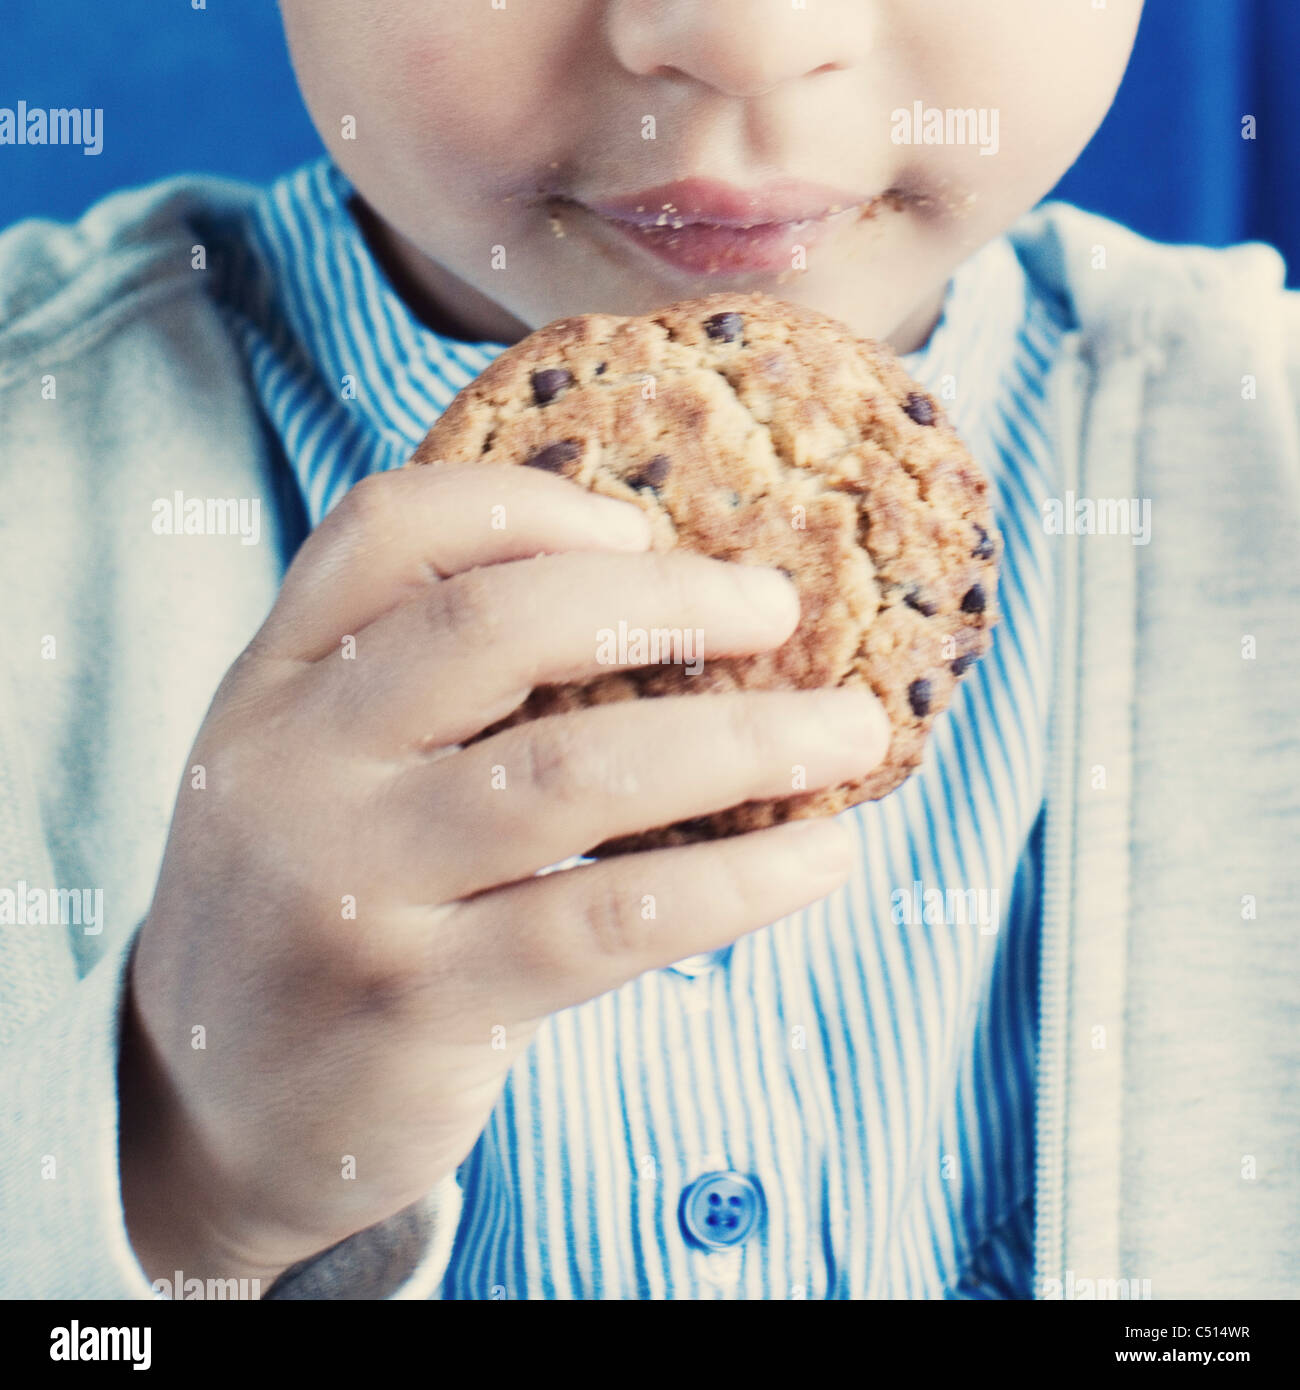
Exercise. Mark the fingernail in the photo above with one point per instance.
(624, 525)
(848, 732)
(772, 592)
(819, 843)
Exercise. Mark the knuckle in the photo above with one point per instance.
(732, 893)
(369, 506)
(746, 725)
(557, 767)
(610, 922)
(466, 607)
(377, 974)
(678, 575)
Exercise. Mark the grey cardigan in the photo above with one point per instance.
(1169, 1037)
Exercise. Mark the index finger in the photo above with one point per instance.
(395, 533)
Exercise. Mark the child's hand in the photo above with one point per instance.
(348, 948)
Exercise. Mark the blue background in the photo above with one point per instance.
(212, 90)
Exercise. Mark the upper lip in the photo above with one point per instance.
(710, 202)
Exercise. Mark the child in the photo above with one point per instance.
(316, 1023)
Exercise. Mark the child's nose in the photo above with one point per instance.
(742, 48)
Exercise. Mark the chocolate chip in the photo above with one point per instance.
(549, 382)
(555, 458)
(984, 550)
(726, 327)
(924, 605)
(963, 664)
(654, 473)
(918, 696)
(974, 600)
(919, 408)
(600, 370)
(697, 825)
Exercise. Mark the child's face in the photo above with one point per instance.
(491, 142)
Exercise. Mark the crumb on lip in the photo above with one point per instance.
(891, 200)
(939, 199)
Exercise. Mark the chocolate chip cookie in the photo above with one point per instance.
(763, 433)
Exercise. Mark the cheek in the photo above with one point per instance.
(478, 98)
(1041, 76)
(443, 86)
(1053, 69)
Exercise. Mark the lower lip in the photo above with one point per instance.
(701, 248)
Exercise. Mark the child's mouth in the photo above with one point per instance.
(705, 228)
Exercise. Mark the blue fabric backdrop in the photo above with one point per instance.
(186, 89)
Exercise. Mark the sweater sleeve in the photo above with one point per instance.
(62, 996)
(60, 1197)
(93, 732)
(60, 1205)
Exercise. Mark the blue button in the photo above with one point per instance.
(720, 1210)
(694, 966)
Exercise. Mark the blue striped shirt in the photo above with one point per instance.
(867, 1063)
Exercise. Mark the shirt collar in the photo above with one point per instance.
(965, 361)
